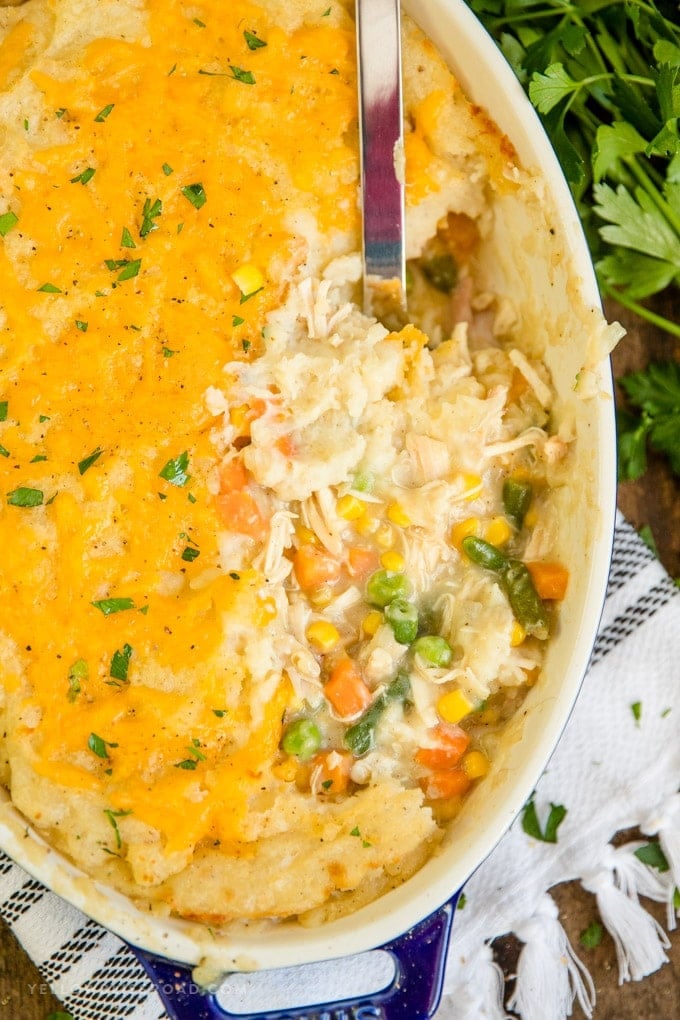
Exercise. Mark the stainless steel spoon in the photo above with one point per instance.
(382, 157)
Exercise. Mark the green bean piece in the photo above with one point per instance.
(484, 554)
(517, 496)
(360, 738)
(524, 600)
(384, 586)
(441, 271)
(402, 617)
(435, 650)
(302, 739)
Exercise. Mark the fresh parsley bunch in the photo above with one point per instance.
(604, 76)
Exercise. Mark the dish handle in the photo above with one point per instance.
(419, 957)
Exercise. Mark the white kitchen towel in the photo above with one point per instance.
(616, 767)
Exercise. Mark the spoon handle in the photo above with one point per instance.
(382, 154)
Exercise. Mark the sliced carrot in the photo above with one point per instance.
(451, 744)
(333, 771)
(361, 561)
(314, 567)
(445, 785)
(346, 690)
(550, 579)
(240, 513)
(286, 445)
(233, 475)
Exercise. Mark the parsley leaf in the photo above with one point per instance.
(652, 855)
(7, 221)
(103, 114)
(655, 393)
(591, 937)
(98, 745)
(87, 462)
(150, 212)
(113, 605)
(532, 826)
(252, 40)
(239, 74)
(175, 471)
(195, 193)
(120, 663)
(25, 497)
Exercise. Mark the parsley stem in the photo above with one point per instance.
(634, 306)
(643, 179)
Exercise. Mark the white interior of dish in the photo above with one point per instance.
(554, 270)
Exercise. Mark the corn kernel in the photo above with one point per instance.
(248, 279)
(320, 597)
(398, 516)
(498, 531)
(454, 706)
(472, 486)
(367, 524)
(323, 635)
(384, 535)
(531, 517)
(286, 770)
(238, 416)
(517, 634)
(392, 560)
(350, 508)
(372, 623)
(475, 764)
(305, 535)
(470, 526)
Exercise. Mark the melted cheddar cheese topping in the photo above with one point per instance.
(151, 168)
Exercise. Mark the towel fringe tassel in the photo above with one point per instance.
(479, 989)
(639, 939)
(549, 974)
(664, 823)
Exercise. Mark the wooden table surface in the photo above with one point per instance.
(653, 501)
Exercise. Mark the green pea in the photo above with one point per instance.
(484, 554)
(441, 271)
(434, 650)
(384, 586)
(402, 617)
(302, 739)
(517, 496)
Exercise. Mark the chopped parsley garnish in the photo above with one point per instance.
(652, 855)
(85, 176)
(197, 21)
(190, 554)
(532, 826)
(245, 344)
(38, 457)
(237, 320)
(120, 663)
(636, 709)
(103, 114)
(234, 576)
(4, 407)
(4, 452)
(7, 221)
(196, 756)
(167, 169)
(168, 352)
(239, 74)
(44, 417)
(98, 745)
(60, 112)
(113, 605)
(49, 288)
(150, 212)
(25, 497)
(87, 462)
(220, 712)
(112, 816)
(195, 193)
(127, 240)
(175, 471)
(252, 40)
(81, 325)
(130, 270)
(591, 937)
(79, 671)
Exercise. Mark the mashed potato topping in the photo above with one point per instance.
(273, 574)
